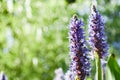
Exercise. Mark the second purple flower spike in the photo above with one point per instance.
(97, 36)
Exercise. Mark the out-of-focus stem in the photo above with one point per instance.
(103, 69)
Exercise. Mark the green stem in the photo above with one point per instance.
(99, 74)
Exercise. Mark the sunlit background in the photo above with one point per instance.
(34, 34)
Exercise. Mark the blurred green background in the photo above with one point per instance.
(34, 34)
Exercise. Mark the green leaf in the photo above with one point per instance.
(109, 75)
(114, 67)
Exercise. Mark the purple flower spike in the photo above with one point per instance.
(80, 65)
(97, 36)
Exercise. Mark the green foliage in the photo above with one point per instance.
(31, 48)
(70, 1)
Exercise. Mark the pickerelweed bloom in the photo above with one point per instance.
(97, 36)
(3, 76)
(80, 65)
(59, 74)
(68, 75)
